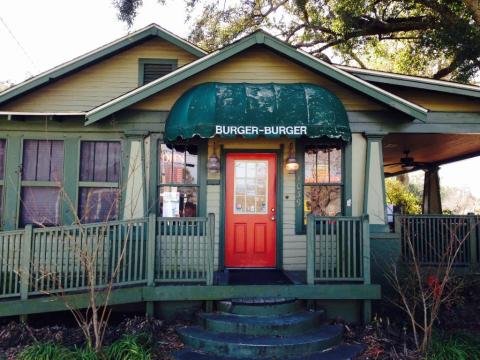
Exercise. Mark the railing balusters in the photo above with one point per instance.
(341, 243)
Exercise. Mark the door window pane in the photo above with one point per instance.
(250, 187)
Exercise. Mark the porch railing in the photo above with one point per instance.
(338, 249)
(55, 260)
(429, 238)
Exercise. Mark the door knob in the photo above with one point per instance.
(273, 218)
(273, 209)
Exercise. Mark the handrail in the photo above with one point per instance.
(53, 260)
(431, 235)
(338, 249)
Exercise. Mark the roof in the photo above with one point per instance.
(99, 54)
(424, 83)
(265, 39)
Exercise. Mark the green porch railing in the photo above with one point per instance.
(431, 236)
(11, 252)
(338, 249)
(185, 249)
(56, 260)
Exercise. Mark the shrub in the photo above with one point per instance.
(131, 347)
(460, 346)
(46, 351)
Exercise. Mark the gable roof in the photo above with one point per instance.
(265, 39)
(418, 82)
(109, 49)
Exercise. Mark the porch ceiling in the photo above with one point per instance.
(428, 148)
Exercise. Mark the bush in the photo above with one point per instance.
(131, 347)
(460, 346)
(46, 351)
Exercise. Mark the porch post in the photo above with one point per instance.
(374, 192)
(432, 203)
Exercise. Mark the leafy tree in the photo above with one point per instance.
(400, 194)
(438, 38)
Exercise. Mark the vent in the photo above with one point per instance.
(154, 71)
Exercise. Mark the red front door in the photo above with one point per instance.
(251, 210)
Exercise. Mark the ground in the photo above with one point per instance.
(386, 337)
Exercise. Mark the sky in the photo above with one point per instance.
(36, 35)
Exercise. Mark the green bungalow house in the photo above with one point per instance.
(253, 173)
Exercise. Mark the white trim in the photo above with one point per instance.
(28, 113)
(385, 74)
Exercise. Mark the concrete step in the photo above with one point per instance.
(260, 306)
(261, 347)
(262, 325)
(341, 352)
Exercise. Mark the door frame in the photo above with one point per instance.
(279, 201)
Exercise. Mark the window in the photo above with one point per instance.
(42, 176)
(2, 173)
(178, 180)
(322, 181)
(99, 192)
(152, 69)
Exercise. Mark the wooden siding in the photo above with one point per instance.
(434, 100)
(257, 65)
(98, 83)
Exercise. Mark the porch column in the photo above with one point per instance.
(133, 189)
(374, 197)
(432, 203)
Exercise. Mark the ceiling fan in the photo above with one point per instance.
(408, 163)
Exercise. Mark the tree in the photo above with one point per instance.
(405, 196)
(438, 38)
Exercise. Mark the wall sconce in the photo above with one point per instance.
(213, 164)
(292, 164)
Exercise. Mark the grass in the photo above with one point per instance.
(46, 351)
(459, 346)
(130, 347)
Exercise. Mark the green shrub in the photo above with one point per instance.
(131, 347)
(86, 354)
(46, 351)
(460, 346)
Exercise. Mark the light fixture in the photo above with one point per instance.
(292, 164)
(213, 163)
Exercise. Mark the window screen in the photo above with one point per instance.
(99, 191)
(42, 177)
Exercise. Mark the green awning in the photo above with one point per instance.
(251, 110)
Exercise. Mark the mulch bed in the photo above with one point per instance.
(14, 336)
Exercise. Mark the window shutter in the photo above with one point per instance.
(154, 71)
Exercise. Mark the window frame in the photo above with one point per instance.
(2, 181)
(101, 184)
(300, 227)
(40, 183)
(201, 174)
(143, 61)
